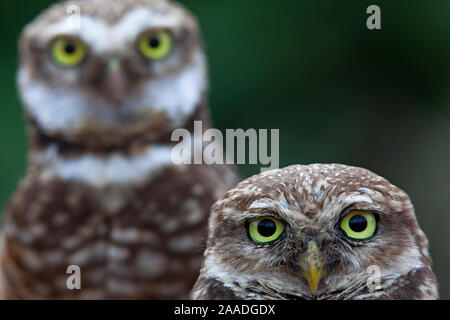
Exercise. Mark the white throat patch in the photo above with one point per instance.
(115, 169)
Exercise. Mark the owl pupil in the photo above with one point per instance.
(266, 227)
(358, 223)
(69, 48)
(153, 42)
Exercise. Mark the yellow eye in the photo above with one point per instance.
(155, 45)
(359, 224)
(265, 229)
(68, 52)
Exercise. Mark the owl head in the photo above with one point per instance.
(315, 232)
(106, 70)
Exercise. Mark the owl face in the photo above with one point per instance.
(123, 68)
(310, 232)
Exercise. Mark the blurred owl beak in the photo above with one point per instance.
(312, 264)
(115, 82)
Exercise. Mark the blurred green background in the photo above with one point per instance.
(337, 91)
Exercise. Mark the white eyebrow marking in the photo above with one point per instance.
(262, 204)
(281, 206)
(111, 37)
(367, 190)
(357, 198)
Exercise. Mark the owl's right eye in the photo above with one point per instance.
(266, 229)
(68, 52)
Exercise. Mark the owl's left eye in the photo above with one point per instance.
(68, 52)
(266, 229)
(359, 225)
(155, 45)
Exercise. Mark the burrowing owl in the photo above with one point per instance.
(103, 91)
(315, 232)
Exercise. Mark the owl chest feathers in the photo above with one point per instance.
(133, 223)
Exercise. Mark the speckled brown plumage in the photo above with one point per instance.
(311, 201)
(142, 242)
(101, 190)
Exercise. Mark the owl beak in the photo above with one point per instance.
(116, 83)
(312, 264)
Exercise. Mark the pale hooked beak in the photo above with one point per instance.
(312, 263)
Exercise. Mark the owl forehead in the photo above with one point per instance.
(314, 193)
(108, 25)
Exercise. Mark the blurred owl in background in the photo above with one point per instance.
(315, 232)
(101, 191)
